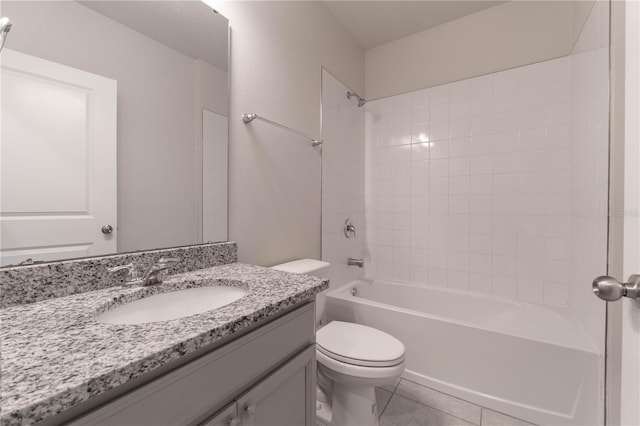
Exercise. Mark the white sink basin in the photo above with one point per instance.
(172, 305)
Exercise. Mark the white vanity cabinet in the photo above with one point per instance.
(264, 378)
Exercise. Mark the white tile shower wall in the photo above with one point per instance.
(342, 179)
(468, 184)
(589, 157)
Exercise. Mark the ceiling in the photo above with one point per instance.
(190, 27)
(373, 23)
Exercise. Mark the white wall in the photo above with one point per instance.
(211, 172)
(589, 158)
(342, 180)
(277, 51)
(215, 176)
(512, 34)
(213, 88)
(158, 117)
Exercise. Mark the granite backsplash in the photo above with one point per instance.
(33, 283)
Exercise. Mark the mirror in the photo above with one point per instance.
(114, 128)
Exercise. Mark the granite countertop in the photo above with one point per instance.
(55, 355)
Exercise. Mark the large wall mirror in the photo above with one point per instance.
(114, 128)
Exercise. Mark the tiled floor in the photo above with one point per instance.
(409, 404)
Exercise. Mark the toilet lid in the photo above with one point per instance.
(360, 345)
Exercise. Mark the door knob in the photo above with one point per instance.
(107, 229)
(610, 289)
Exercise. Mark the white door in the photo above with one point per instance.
(57, 161)
(630, 368)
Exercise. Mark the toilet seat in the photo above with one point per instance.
(331, 366)
(359, 345)
(359, 362)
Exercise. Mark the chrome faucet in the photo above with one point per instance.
(154, 274)
(131, 276)
(356, 262)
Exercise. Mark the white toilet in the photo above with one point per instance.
(353, 360)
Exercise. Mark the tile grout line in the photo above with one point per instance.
(436, 409)
(482, 408)
(393, 392)
(448, 395)
(443, 393)
(385, 406)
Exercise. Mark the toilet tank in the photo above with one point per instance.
(317, 268)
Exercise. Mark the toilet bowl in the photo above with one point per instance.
(356, 359)
(353, 360)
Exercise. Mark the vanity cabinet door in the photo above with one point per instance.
(284, 398)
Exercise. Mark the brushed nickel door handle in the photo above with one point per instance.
(610, 289)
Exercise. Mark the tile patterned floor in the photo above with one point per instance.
(408, 404)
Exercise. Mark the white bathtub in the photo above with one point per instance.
(525, 360)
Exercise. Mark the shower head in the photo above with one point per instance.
(5, 25)
(361, 101)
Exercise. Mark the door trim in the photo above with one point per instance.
(613, 336)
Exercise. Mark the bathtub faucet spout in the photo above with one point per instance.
(356, 262)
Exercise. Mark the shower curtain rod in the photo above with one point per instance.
(249, 117)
